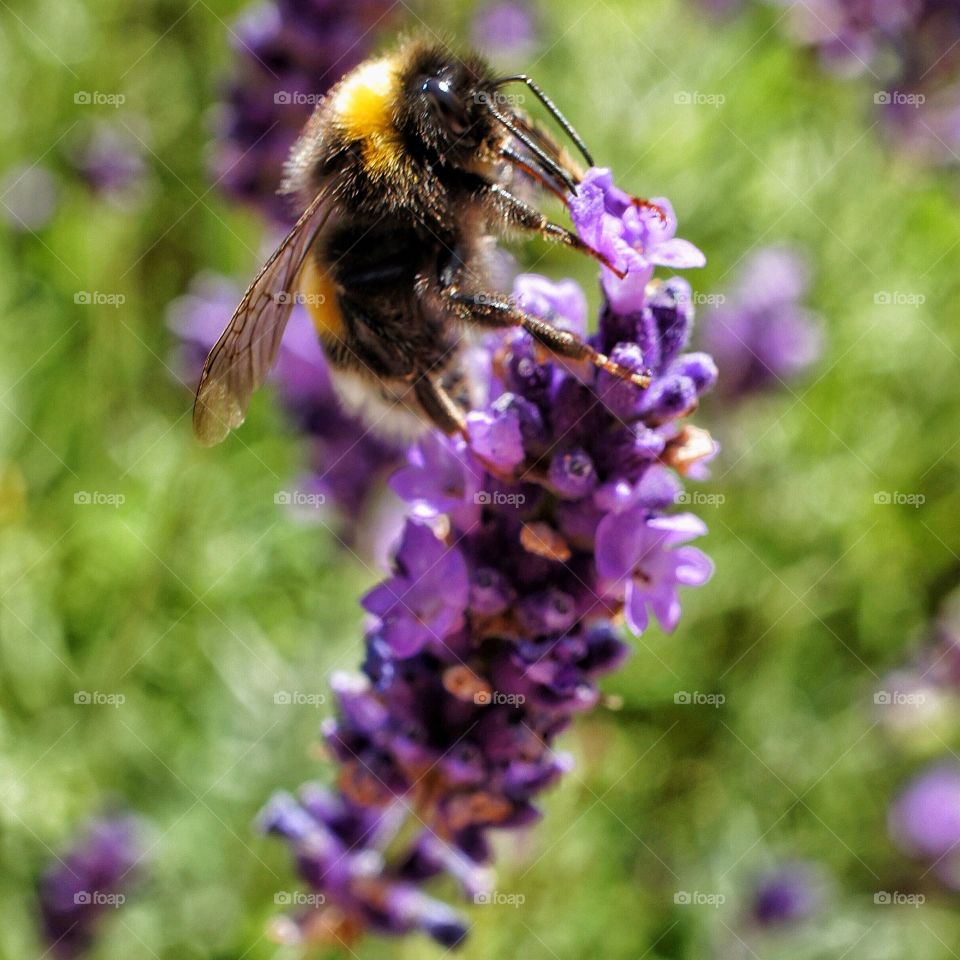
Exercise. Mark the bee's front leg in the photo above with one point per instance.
(518, 213)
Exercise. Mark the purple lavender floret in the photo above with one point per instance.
(760, 334)
(348, 462)
(525, 548)
(505, 30)
(111, 161)
(788, 894)
(288, 54)
(908, 51)
(924, 820)
(88, 880)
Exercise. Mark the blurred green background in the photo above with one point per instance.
(196, 597)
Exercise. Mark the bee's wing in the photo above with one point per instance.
(247, 348)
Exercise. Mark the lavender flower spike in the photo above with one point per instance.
(761, 335)
(87, 880)
(498, 620)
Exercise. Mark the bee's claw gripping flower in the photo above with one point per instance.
(524, 541)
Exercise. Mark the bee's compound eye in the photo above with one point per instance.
(450, 108)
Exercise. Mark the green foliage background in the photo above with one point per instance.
(198, 598)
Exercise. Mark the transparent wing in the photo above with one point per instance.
(248, 347)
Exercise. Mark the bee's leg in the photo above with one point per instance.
(520, 214)
(439, 406)
(494, 312)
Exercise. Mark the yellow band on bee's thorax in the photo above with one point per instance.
(363, 107)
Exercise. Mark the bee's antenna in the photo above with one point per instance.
(548, 162)
(552, 109)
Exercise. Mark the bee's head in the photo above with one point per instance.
(444, 104)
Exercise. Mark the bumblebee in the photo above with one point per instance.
(406, 172)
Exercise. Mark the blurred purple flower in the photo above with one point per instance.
(760, 335)
(788, 894)
(909, 51)
(110, 160)
(495, 625)
(505, 30)
(924, 820)
(87, 879)
(288, 54)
